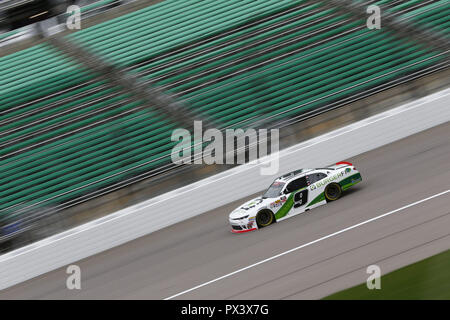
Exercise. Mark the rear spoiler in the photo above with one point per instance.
(344, 163)
(341, 164)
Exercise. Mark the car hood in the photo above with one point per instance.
(250, 208)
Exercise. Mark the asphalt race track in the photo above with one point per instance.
(199, 251)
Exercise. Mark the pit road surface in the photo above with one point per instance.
(191, 253)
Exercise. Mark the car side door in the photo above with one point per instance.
(300, 197)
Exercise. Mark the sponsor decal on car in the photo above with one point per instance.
(356, 180)
(325, 181)
(278, 203)
(252, 204)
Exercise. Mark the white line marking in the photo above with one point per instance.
(308, 244)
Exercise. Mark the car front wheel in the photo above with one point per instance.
(264, 218)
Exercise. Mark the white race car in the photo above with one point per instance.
(294, 193)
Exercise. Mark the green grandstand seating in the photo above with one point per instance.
(96, 5)
(65, 132)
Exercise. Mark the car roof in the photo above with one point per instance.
(288, 177)
(294, 174)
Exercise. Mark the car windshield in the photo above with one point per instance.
(274, 190)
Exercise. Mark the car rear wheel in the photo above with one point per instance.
(264, 218)
(333, 191)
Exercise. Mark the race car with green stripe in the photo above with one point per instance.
(293, 194)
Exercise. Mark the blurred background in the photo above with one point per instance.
(86, 115)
